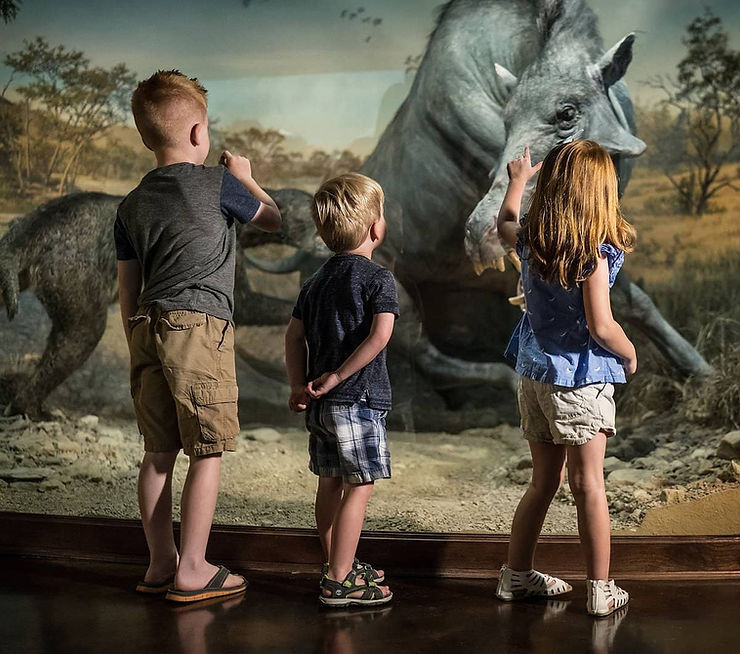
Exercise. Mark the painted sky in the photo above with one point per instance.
(300, 66)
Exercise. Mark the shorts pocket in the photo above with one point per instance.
(576, 401)
(179, 320)
(368, 413)
(567, 403)
(217, 410)
(136, 320)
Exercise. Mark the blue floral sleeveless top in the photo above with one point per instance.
(551, 343)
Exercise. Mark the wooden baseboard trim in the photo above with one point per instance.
(411, 554)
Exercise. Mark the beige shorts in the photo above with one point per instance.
(563, 415)
(183, 381)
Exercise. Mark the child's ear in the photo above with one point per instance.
(374, 233)
(196, 134)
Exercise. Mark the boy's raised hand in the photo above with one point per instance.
(322, 385)
(521, 169)
(238, 166)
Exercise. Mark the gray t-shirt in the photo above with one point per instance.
(179, 223)
(337, 305)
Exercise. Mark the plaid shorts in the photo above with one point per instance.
(348, 441)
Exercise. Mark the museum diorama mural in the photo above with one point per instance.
(432, 101)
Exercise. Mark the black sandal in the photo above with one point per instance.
(372, 594)
(370, 573)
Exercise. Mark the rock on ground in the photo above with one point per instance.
(729, 446)
(627, 476)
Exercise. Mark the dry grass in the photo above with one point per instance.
(690, 266)
(667, 238)
(702, 300)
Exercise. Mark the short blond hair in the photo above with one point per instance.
(344, 209)
(165, 106)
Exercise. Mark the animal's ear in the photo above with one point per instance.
(506, 77)
(613, 64)
(617, 93)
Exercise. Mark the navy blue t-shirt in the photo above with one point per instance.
(179, 224)
(337, 305)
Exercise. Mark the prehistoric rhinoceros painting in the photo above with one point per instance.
(496, 76)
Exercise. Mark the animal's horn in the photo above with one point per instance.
(508, 79)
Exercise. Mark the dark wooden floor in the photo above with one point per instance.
(80, 608)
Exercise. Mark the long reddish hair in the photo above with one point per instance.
(574, 209)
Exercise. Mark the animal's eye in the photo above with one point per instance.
(567, 114)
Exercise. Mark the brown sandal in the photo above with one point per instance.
(155, 587)
(213, 589)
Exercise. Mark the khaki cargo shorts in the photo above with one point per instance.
(563, 415)
(183, 381)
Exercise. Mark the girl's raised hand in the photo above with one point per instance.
(521, 169)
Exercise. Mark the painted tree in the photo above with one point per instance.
(263, 147)
(72, 103)
(699, 130)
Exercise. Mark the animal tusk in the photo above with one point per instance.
(281, 267)
(514, 258)
(518, 301)
(499, 264)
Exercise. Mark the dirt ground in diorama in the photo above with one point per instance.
(664, 473)
(83, 460)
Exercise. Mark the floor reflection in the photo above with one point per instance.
(340, 629)
(193, 622)
(67, 607)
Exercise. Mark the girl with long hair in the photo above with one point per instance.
(570, 352)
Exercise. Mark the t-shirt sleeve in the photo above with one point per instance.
(124, 250)
(236, 201)
(615, 259)
(383, 295)
(298, 308)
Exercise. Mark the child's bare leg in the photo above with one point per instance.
(328, 498)
(346, 531)
(155, 504)
(547, 474)
(586, 479)
(347, 528)
(199, 495)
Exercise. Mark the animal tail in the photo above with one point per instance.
(9, 286)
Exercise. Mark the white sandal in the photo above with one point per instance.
(604, 597)
(515, 584)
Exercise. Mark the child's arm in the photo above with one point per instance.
(129, 287)
(606, 331)
(380, 333)
(520, 172)
(295, 362)
(268, 216)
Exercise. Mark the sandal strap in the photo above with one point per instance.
(217, 581)
(367, 567)
(372, 592)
